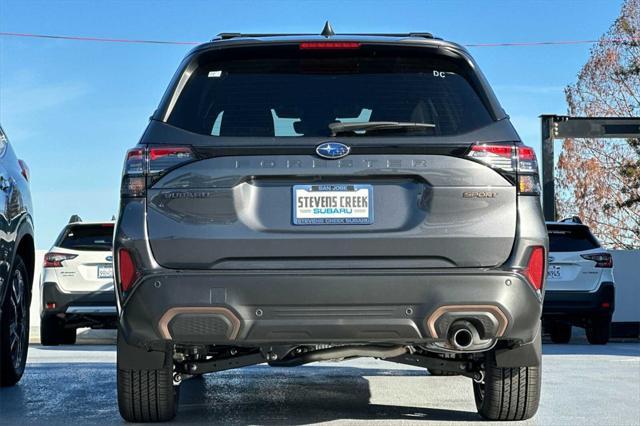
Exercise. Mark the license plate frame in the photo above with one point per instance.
(554, 273)
(304, 215)
(105, 275)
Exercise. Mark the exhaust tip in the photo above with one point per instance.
(462, 338)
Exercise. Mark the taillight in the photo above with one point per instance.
(142, 164)
(127, 271)
(54, 260)
(335, 45)
(603, 260)
(161, 159)
(535, 268)
(518, 161)
(501, 157)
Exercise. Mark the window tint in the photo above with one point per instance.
(87, 237)
(294, 93)
(570, 238)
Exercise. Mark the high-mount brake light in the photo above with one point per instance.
(54, 260)
(144, 166)
(603, 260)
(331, 45)
(535, 268)
(516, 160)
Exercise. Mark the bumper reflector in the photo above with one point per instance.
(126, 269)
(535, 268)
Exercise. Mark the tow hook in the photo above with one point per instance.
(478, 377)
(177, 379)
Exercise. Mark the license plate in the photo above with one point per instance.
(554, 273)
(333, 204)
(105, 271)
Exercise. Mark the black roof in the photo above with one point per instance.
(414, 38)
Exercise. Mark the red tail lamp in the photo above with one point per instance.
(126, 269)
(535, 268)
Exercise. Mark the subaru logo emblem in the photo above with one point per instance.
(109, 258)
(332, 150)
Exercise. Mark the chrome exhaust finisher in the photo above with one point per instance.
(466, 328)
(464, 336)
(462, 339)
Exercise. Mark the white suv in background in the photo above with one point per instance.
(580, 286)
(76, 283)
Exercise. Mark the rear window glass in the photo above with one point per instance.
(292, 93)
(571, 238)
(87, 237)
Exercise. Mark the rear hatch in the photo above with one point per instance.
(570, 269)
(88, 265)
(253, 191)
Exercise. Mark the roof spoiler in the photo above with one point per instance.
(75, 218)
(572, 219)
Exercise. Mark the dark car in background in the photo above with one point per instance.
(580, 284)
(305, 198)
(17, 256)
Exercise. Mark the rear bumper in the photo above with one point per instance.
(580, 304)
(244, 308)
(94, 304)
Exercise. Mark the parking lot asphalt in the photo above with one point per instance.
(582, 385)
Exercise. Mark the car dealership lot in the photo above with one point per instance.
(583, 384)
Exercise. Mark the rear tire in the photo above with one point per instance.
(53, 332)
(508, 393)
(14, 324)
(147, 395)
(560, 332)
(599, 331)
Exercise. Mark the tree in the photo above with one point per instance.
(599, 179)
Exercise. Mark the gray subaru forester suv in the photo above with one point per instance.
(299, 198)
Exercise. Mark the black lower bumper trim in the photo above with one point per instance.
(580, 303)
(390, 307)
(98, 303)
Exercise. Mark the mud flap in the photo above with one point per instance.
(135, 358)
(527, 355)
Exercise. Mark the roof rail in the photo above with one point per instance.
(228, 36)
(327, 31)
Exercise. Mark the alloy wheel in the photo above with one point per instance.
(17, 319)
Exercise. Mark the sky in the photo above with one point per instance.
(71, 109)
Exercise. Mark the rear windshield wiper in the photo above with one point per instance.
(337, 128)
